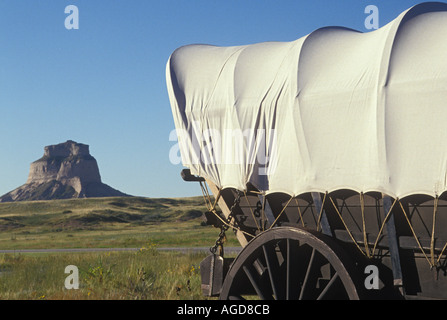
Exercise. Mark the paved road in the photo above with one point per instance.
(180, 249)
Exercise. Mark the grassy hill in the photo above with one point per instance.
(105, 222)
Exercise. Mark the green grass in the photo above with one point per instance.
(104, 223)
(146, 274)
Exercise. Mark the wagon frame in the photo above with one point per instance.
(320, 247)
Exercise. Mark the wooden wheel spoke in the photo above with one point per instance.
(254, 283)
(291, 263)
(328, 286)
(308, 274)
(288, 269)
(273, 270)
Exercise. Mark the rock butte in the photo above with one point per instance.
(66, 170)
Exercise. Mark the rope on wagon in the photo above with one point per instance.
(346, 227)
(206, 196)
(432, 241)
(212, 208)
(432, 262)
(365, 237)
(414, 234)
(320, 214)
(383, 225)
(279, 215)
(299, 211)
(264, 217)
(441, 253)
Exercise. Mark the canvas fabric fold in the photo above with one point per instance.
(336, 109)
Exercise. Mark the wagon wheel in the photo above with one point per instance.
(288, 263)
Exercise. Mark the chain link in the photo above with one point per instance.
(224, 227)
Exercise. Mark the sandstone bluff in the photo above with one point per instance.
(66, 170)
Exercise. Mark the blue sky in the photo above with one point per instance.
(104, 84)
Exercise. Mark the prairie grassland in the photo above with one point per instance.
(146, 274)
(104, 223)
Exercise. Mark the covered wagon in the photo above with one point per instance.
(326, 156)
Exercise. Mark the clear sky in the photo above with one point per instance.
(104, 83)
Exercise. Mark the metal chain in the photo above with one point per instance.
(224, 227)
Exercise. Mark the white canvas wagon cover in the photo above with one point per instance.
(336, 109)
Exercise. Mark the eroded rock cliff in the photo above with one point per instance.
(66, 170)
